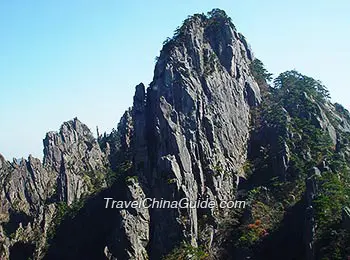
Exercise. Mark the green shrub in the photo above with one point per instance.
(187, 252)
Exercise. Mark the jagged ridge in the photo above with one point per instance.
(208, 125)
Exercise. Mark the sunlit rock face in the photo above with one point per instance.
(191, 125)
(206, 127)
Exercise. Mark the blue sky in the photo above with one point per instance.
(62, 59)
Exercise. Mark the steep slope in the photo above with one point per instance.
(299, 174)
(73, 167)
(192, 121)
(208, 126)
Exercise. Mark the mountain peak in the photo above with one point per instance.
(209, 126)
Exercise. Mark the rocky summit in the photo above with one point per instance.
(210, 125)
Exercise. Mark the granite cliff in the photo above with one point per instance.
(208, 126)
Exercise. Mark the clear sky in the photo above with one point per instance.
(62, 59)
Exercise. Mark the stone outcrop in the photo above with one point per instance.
(73, 153)
(188, 135)
(30, 189)
(191, 126)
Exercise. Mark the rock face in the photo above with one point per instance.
(198, 131)
(30, 190)
(26, 187)
(185, 137)
(134, 225)
(73, 153)
(191, 126)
